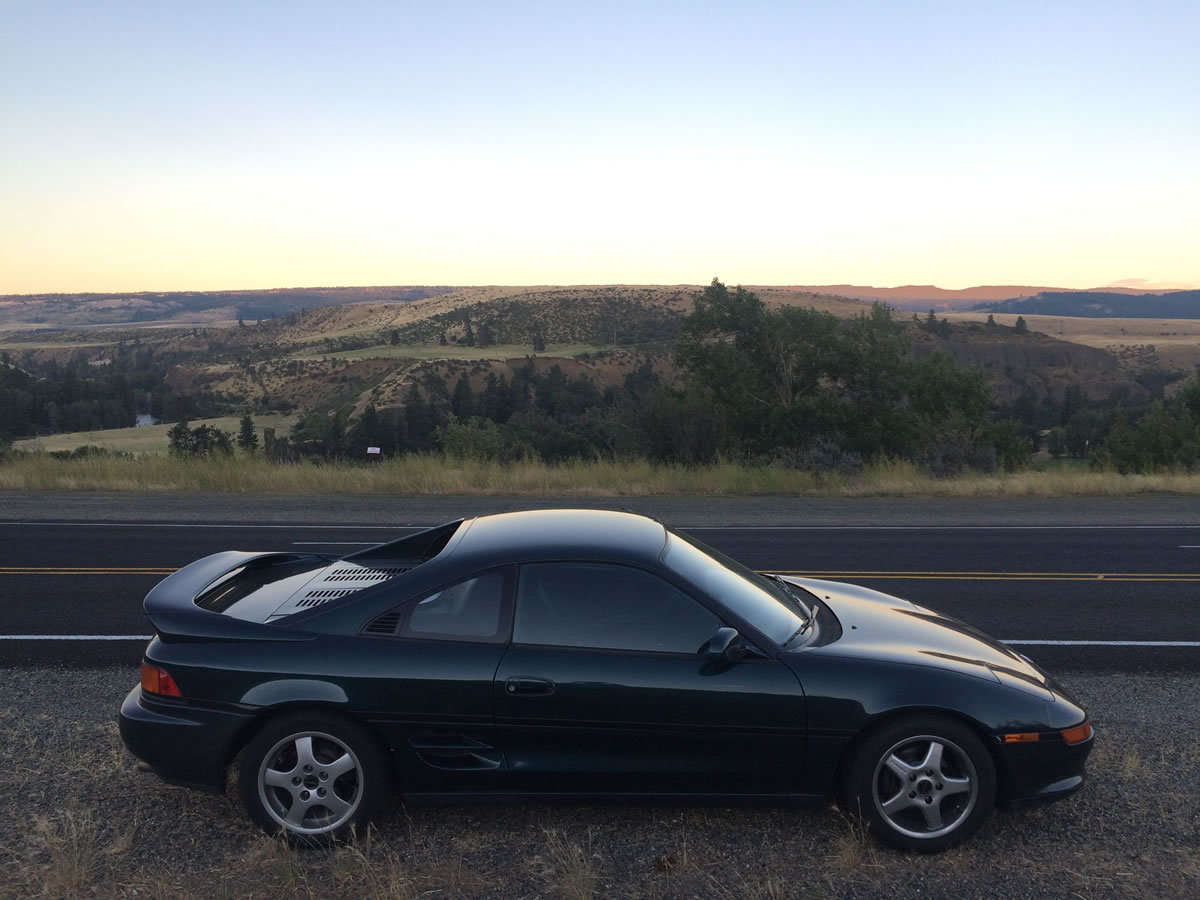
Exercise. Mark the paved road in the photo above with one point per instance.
(1111, 597)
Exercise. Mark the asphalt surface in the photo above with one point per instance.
(1080, 584)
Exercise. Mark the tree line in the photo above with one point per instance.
(52, 397)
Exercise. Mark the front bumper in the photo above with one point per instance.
(1040, 772)
(184, 744)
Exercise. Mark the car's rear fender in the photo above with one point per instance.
(266, 715)
(296, 691)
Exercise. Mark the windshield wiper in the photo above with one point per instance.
(806, 613)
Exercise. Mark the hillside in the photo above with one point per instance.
(1102, 304)
(1035, 364)
(354, 353)
(186, 307)
(209, 308)
(923, 297)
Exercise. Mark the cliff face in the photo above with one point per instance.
(1017, 363)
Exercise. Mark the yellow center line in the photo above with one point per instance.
(84, 570)
(998, 576)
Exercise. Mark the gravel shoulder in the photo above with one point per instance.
(85, 822)
(28, 506)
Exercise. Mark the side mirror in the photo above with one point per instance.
(724, 648)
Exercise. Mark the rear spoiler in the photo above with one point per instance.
(171, 608)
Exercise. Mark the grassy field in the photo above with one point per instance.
(148, 439)
(416, 475)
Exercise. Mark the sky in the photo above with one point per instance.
(220, 145)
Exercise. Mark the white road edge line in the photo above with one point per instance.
(214, 525)
(333, 543)
(75, 637)
(1042, 643)
(931, 527)
(1021, 642)
(410, 525)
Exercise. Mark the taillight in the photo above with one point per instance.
(159, 681)
(1078, 734)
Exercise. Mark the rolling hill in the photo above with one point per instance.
(360, 351)
(1105, 304)
(923, 297)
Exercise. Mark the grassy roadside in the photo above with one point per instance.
(437, 475)
(86, 823)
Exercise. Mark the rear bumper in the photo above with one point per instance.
(1041, 772)
(184, 744)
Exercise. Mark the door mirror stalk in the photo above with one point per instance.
(724, 648)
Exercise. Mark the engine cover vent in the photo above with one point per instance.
(315, 598)
(339, 580)
(362, 573)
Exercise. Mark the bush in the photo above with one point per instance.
(822, 457)
(1056, 441)
(475, 439)
(90, 451)
(203, 440)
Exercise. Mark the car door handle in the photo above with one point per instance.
(528, 685)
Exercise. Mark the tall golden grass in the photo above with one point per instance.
(434, 474)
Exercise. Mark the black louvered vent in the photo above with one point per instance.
(385, 624)
(316, 598)
(365, 574)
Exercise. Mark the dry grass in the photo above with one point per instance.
(429, 352)
(417, 475)
(83, 822)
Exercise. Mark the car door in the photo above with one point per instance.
(430, 683)
(604, 690)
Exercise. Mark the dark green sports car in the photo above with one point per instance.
(579, 653)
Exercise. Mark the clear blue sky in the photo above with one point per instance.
(162, 145)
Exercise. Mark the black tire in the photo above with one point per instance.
(314, 775)
(921, 783)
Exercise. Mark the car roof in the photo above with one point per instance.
(563, 534)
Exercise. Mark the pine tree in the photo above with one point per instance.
(247, 439)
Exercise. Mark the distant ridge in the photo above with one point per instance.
(922, 297)
(1103, 304)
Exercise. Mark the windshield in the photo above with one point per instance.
(760, 601)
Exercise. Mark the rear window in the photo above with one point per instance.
(234, 586)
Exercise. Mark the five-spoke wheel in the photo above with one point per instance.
(924, 783)
(313, 775)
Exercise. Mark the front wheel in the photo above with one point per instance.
(314, 776)
(924, 783)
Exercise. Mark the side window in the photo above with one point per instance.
(609, 607)
(469, 610)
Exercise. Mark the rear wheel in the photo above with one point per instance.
(313, 775)
(923, 783)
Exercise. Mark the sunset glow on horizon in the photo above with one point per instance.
(254, 145)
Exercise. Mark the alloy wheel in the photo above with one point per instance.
(925, 786)
(310, 783)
